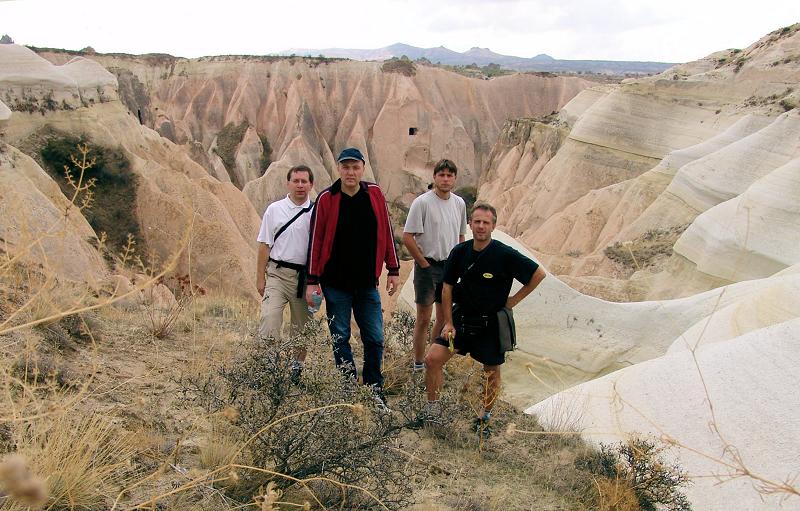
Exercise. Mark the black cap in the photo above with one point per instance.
(351, 153)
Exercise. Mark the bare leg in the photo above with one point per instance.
(492, 389)
(435, 360)
(421, 331)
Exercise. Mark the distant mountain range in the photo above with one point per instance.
(484, 56)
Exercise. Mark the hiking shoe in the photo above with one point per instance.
(296, 372)
(481, 425)
(380, 403)
(418, 367)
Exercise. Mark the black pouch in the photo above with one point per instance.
(506, 330)
(471, 325)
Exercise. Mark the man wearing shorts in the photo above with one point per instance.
(477, 281)
(436, 222)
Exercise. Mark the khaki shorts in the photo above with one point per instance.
(428, 282)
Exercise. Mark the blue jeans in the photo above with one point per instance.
(366, 308)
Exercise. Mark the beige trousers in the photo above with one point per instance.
(281, 289)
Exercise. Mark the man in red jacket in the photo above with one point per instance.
(351, 240)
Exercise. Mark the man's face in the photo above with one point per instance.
(298, 186)
(444, 180)
(351, 172)
(482, 225)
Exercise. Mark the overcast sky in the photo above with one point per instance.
(660, 30)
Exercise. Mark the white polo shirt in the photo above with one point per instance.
(292, 245)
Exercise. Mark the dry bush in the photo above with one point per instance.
(320, 438)
(166, 300)
(645, 250)
(398, 351)
(639, 462)
(614, 495)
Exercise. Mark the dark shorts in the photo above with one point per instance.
(477, 336)
(428, 282)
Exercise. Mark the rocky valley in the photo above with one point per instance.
(666, 210)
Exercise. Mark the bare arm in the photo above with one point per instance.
(447, 310)
(536, 279)
(261, 267)
(411, 244)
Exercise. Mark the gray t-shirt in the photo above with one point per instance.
(437, 223)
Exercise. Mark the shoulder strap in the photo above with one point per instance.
(287, 224)
(490, 245)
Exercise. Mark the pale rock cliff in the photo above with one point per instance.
(29, 82)
(180, 208)
(39, 223)
(752, 427)
(248, 157)
(641, 161)
(5, 114)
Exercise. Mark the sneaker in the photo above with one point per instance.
(380, 403)
(296, 372)
(418, 367)
(481, 425)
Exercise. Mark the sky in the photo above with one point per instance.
(657, 30)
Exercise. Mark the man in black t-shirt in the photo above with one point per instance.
(477, 278)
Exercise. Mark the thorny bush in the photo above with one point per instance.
(323, 427)
(639, 461)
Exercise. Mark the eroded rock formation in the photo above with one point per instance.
(633, 167)
(308, 110)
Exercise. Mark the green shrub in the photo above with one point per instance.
(787, 104)
(399, 65)
(266, 156)
(469, 194)
(114, 192)
(228, 139)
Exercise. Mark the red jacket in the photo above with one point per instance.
(323, 230)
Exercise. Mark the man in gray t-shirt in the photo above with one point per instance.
(437, 221)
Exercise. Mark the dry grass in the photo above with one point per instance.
(83, 459)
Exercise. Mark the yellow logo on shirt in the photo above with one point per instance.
(487, 275)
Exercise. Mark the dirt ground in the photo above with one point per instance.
(127, 375)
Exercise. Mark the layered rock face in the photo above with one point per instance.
(208, 226)
(308, 110)
(223, 121)
(33, 84)
(681, 189)
(641, 162)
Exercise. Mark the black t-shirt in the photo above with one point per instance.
(352, 263)
(484, 288)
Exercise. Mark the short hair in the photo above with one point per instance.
(484, 206)
(300, 168)
(445, 164)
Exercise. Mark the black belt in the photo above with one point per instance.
(301, 274)
(434, 261)
(285, 264)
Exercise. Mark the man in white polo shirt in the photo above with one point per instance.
(436, 222)
(282, 254)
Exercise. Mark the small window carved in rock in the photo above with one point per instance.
(412, 131)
